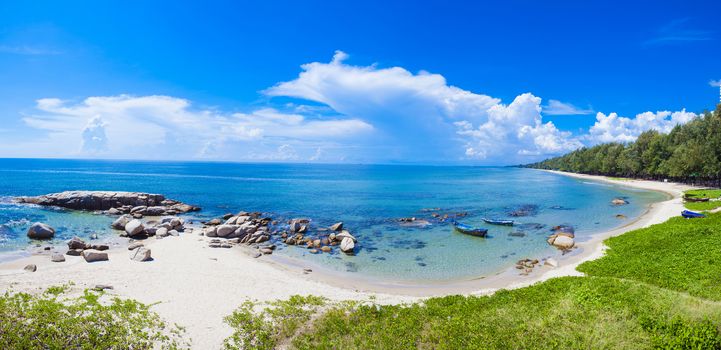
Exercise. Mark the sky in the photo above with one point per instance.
(438, 82)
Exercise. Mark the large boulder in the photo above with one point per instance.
(57, 257)
(39, 230)
(225, 230)
(337, 226)
(91, 255)
(119, 223)
(77, 243)
(140, 254)
(344, 234)
(134, 227)
(347, 245)
(561, 241)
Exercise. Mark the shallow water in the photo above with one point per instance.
(368, 198)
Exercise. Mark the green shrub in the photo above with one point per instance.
(46, 321)
(279, 320)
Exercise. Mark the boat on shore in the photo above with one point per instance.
(469, 230)
(498, 222)
(692, 214)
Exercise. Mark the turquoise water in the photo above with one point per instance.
(368, 198)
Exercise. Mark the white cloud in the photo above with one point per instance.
(556, 107)
(420, 117)
(715, 83)
(168, 127)
(613, 128)
(93, 136)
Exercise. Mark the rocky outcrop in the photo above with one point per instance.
(113, 202)
(619, 201)
(39, 230)
(561, 241)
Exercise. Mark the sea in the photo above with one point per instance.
(369, 199)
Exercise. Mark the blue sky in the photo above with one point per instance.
(371, 81)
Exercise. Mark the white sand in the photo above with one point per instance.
(197, 286)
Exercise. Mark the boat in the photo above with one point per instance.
(498, 222)
(696, 199)
(469, 230)
(692, 214)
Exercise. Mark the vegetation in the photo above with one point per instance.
(690, 153)
(657, 287)
(48, 321)
(703, 193)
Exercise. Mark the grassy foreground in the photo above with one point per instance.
(52, 321)
(658, 287)
(703, 193)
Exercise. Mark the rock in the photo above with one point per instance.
(344, 234)
(94, 236)
(138, 209)
(316, 243)
(210, 231)
(313, 251)
(337, 226)
(140, 254)
(77, 243)
(105, 200)
(225, 230)
(39, 230)
(30, 268)
(307, 270)
(134, 227)
(161, 232)
(91, 255)
(325, 249)
(134, 245)
(114, 211)
(137, 215)
(174, 233)
(102, 287)
(266, 251)
(119, 223)
(619, 201)
(225, 217)
(74, 252)
(57, 257)
(214, 222)
(347, 245)
(620, 216)
(290, 241)
(561, 241)
(154, 211)
(100, 247)
(257, 254)
(331, 237)
(517, 234)
(551, 262)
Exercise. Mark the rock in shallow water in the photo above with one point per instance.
(39, 230)
(347, 245)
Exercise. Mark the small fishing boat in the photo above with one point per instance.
(498, 222)
(696, 199)
(692, 214)
(468, 230)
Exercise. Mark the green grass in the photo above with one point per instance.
(657, 288)
(51, 321)
(703, 193)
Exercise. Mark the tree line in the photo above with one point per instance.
(690, 153)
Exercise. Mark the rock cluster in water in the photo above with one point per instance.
(112, 202)
(562, 238)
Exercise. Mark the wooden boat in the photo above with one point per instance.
(468, 230)
(692, 214)
(498, 222)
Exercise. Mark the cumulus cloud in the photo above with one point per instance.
(715, 83)
(421, 117)
(93, 136)
(168, 127)
(613, 128)
(556, 107)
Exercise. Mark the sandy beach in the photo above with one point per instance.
(196, 286)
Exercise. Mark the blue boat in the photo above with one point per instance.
(498, 222)
(692, 214)
(468, 230)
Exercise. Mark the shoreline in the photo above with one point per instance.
(196, 286)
